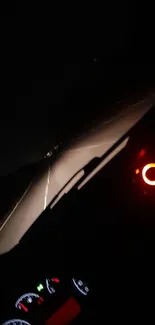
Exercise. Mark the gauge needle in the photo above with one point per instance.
(23, 307)
(55, 280)
(40, 300)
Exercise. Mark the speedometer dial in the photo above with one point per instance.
(25, 301)
(81, 286)
(16, 322)
(51, 284)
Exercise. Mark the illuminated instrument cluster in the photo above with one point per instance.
(47, 301)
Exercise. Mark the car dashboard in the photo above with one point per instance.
(49, 301)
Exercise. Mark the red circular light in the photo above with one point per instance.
(145, 178)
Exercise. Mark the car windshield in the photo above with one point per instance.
(115, 205)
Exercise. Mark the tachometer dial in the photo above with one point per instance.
(26, 300)
(16, 322)
(81, 286)
(52, 284)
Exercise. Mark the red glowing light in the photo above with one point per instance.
(141, 153)
(144, 171)
(65, 314)
(56, 280)
(137, 171)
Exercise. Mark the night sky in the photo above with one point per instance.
(61, 72)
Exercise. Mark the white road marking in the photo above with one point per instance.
(47, 187)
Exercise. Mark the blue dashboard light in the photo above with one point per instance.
(81, 286)
(16, 322)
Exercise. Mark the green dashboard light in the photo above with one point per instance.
(40, 287)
